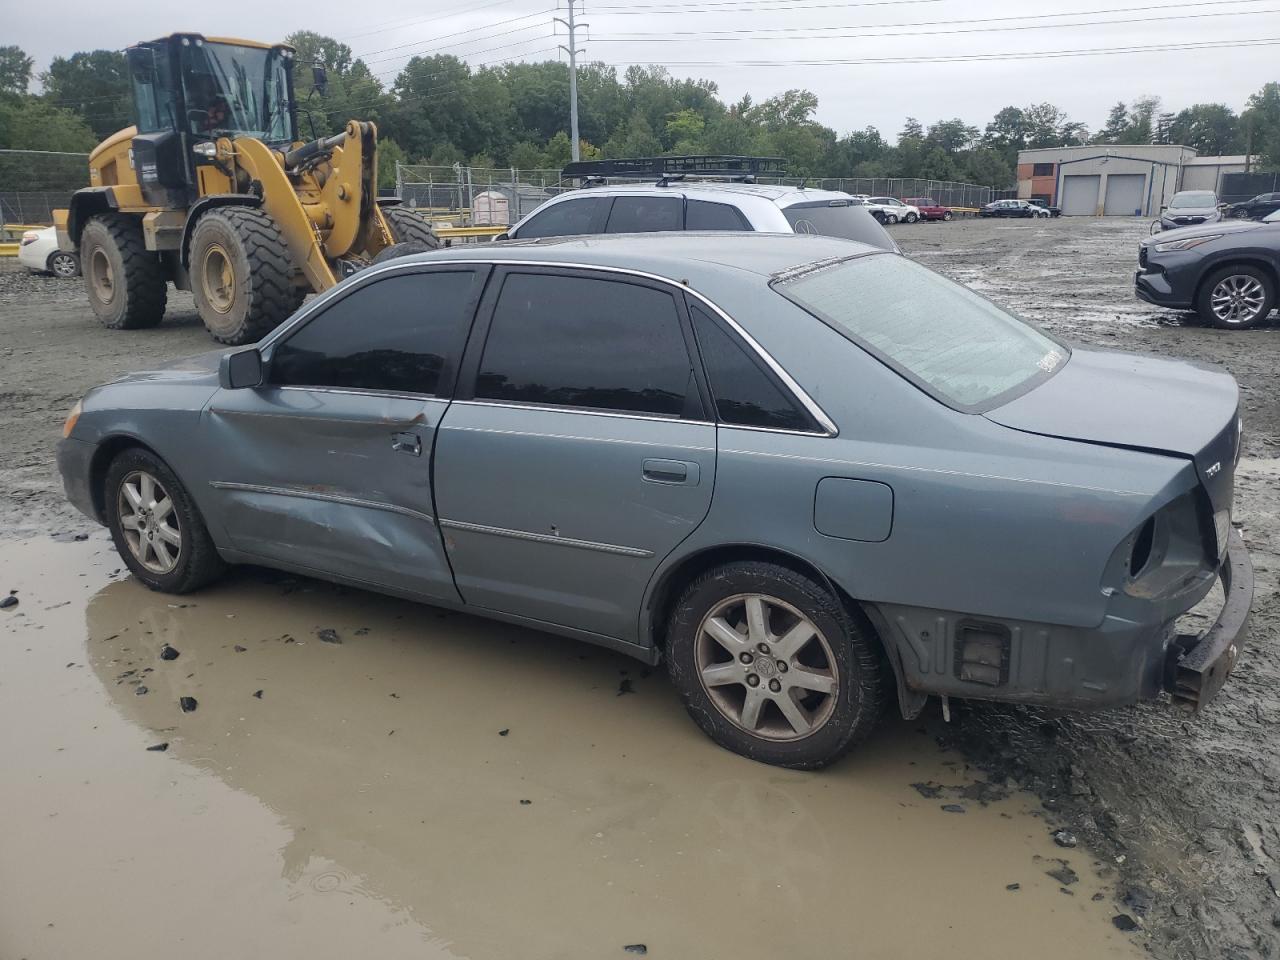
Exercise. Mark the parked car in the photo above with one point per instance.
(930, 209)
(876, 210)
(702, 206)
(1256, 208)
(896, 211)
(38, 251)
(692, 451)
(1046, 205)
(1187, 208)
(1012, 208)
(1225, 271)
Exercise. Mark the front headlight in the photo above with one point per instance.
(1185, 244)
(72, 417)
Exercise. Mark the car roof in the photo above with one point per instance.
(681, 256)
(779, 194)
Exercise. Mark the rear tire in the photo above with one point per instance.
(948, 216)
(157, 529)
(397, 250)
(890, 218)
(407, 227)
(241, 274)
(125, 281)
(1236, 298)
(911, 218)
(63, 265)
(757, 686)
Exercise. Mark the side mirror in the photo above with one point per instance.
(502, 236)
(320, 80)
(241, 369)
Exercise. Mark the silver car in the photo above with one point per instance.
(812, 476)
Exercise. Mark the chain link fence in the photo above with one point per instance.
(450, 194)
(34, 183)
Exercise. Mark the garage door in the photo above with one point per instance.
(1125, 192)
(1080, 195)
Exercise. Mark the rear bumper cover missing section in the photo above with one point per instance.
(1198, 665)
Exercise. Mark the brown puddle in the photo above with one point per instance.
(367, 805)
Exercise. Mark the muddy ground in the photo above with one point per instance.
(373, 774)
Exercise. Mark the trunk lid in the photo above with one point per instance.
(1139, 402)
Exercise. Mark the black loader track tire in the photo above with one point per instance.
(262, 294)
(124, 280)
(407, 226)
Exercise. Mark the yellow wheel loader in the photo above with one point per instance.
(213, 191)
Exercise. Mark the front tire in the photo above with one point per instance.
(891, 218)
(63, 265)
(772, 666)
(911, 218)
(241, 274)
(157, 529)
(125, 281)
(407, 227)
(1236, 298)
(948, 216)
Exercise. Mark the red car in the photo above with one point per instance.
(930, 209)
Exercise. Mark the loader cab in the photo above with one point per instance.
(188, 91)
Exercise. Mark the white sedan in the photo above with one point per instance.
(38, 251)
(896, 211)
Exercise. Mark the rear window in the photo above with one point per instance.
(949, 341)
(838, 218)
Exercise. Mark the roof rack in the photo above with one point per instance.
(665, 169)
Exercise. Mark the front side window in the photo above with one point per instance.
(646, 214)
(152, 89)
(745, 394)
(234, 89)
(583, 342)
(951, 342)
(566, 219)
(394, 334)
(837, 218)
(706, 215)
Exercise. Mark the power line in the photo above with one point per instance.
(457, 33)
(962, 58)
(402, 22)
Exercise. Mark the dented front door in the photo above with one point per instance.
(336, 482)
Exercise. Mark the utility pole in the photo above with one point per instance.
(573, 50)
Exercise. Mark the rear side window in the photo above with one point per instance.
(566, 219)
(842, 220)
(705, 215)
(745, 394)
(394, 334)
(646, 214)
(585, 342)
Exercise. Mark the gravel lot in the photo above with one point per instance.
(1180, 813)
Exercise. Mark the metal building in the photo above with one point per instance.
(1104, 179)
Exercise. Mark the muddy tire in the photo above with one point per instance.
(1236, 297)
(772, 666)
(157, 529)
(407, 227)
(125, 281)
(398, 250)
(241, 274)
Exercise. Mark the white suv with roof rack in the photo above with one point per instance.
(675, 204)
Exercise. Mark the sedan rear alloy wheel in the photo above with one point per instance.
(149, 522)
(767, 668)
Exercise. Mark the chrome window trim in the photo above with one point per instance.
(585, 411)
(360, 392)
(370, 274)
(610, 548)
(324, 497)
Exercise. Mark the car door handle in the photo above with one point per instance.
(409, 443)
(671, 471)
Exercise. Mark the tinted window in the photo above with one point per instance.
(744, 393)
(646, 214)
(582, 342)
(394, 334)
(1042, 170)
(704, 215)
(843, 220)
(953, 342)
(565, 219)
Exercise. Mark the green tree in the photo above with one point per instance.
(95, 85)
(1117, 125)
(389, 154)
(32, 123)
(15, 70)
(635, 139)
(1212, 128)
(1262, 124)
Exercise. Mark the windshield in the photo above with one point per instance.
(1273, 217)
(951, 342)
(238, 90)
(1198, 198)
(838, 218)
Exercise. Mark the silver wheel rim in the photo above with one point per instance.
(766, 667)
(64, 265)
(149, 522)
(1237, 299)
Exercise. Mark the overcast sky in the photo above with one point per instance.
(850, 95)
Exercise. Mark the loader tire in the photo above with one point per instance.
(406, 226)
(241, 274)
(125, 281)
